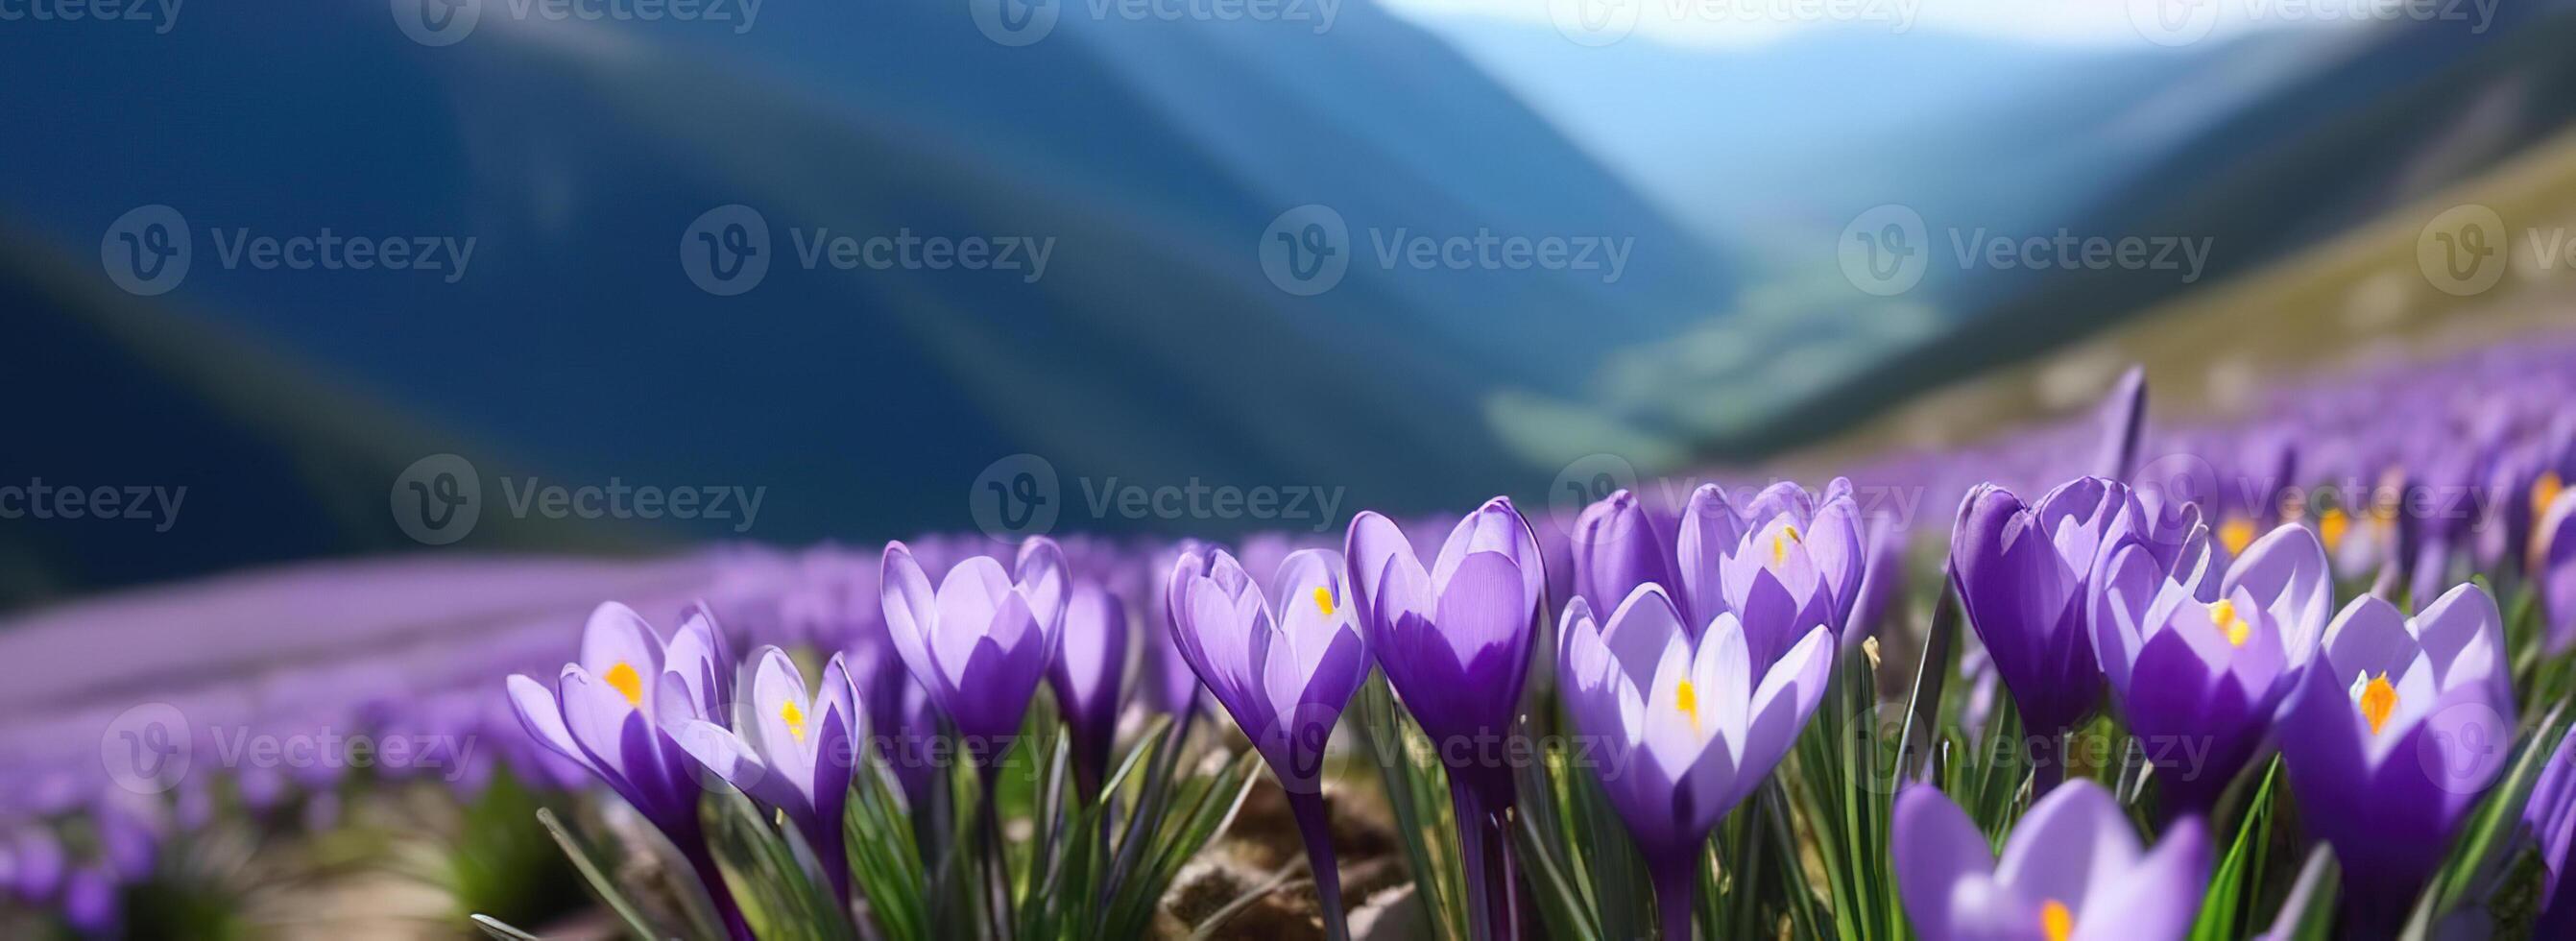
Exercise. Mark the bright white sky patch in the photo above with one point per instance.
(2075, 22)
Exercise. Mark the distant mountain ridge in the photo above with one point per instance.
(1155, 348)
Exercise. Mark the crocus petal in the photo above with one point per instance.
(1710, 532)
(2369, 636)
(537, 709)
(783, 724)
(1040, 578)
(2462, 622)
(2157, 899)
(911, 612)
(1616, 548)
(1936, 846)
(2288, 568)
(2067, 843)
(1645, 624)
(730, 757)
(1385, 577)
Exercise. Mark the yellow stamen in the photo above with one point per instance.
(2544, 492)
(2331, 527)
(795, 719)
(1780, 544)
(2222, 612)
(625, 680)
(2236, 534)
(1686, 699)
(2377, 700)
(2056, 920)
(1324, 600)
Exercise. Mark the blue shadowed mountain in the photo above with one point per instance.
(575, 348)
(1150, 158)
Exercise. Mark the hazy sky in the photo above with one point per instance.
(2084, 22)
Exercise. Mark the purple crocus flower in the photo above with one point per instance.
(796, 751)
(2023, 574)
(2123, 415)
(893, 707)
(1455, 644)
(2553, 568)
(36, 863)
(2073, 870)
(2392, 736)
(614, 712)
(1882, 581)
(1086, 675)
(1783, 563)
(1285, 673)
(982, 641)
(1691, 727)
(1455, 640)
(1165, 683)
(2200, 663)
(1620, 543)
(92, 902)
(2551, 819)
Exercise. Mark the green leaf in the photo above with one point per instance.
(2308, 913)
(597, 878)
(2226, 910)
(498, 929)
(2482, 851)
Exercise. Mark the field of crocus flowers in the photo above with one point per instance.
(2301, 675)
